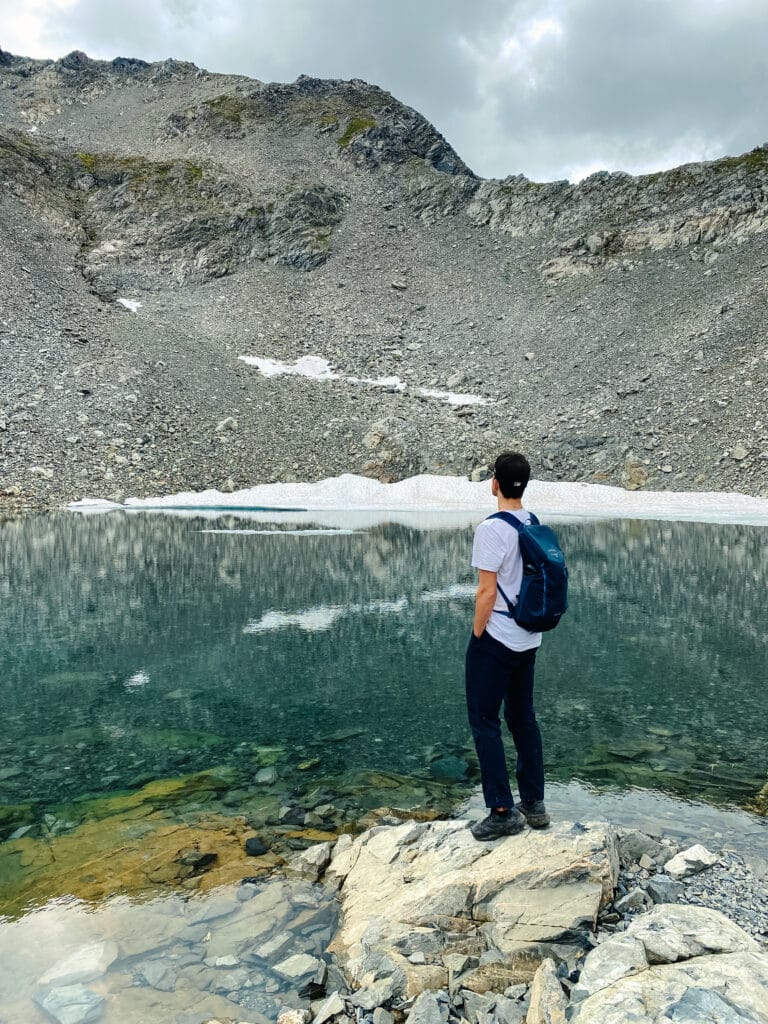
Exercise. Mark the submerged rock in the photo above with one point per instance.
(72, 1004)
(297, 966)
(136, 849)
(85, 964)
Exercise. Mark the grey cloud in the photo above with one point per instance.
(636, 84)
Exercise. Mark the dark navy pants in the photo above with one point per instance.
(497, 676)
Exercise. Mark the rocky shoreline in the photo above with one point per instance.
(415, 921)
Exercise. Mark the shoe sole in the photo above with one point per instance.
(539, 822)
(503, 835)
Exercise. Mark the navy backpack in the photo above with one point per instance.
(543, 597)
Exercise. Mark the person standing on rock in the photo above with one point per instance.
(500, 663)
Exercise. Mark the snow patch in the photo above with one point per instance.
(307, 366)
(317, 368)
(451, 398)
(358, 500)
(131, 304)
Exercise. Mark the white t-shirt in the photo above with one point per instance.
(497, 549)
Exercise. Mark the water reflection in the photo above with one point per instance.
(136, 648)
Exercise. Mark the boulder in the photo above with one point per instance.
(680, 992)
(690, 862)
(675, 932)
(677, 963)
(618, 957)
(432, 888)
(663, 889)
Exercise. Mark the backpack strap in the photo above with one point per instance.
(512, 520)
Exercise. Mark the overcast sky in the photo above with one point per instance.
(547, 88)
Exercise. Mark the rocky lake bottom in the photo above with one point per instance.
(184, 710)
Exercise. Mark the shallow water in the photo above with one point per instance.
(142, 648)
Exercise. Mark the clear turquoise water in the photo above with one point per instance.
(141, 647)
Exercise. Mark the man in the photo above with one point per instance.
(499, 666)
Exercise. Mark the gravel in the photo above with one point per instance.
(731, 885)
(614, 328)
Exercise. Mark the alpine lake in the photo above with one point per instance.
(172, 686)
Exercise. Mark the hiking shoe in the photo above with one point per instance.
(534, 812)
(496, 825)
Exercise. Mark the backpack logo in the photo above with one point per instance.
(543, 597)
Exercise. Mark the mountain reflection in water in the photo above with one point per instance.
(141, 647)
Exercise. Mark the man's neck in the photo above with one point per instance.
(509, 504)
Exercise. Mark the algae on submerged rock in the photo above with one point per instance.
(136, 843)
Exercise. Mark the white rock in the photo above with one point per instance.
(293, 1017)
(85, 964)
(672, 932)
(670, 993)
(402, 884)
(690, 862)
(617, 957)
(686, 950)
(297, 966)
(548, 1001)
(312, 862)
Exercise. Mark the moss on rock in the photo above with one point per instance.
(355, 126)
(134, 843)
(759, 805)
(229, 107)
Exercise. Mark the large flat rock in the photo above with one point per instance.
(686, 964)
(423, 891)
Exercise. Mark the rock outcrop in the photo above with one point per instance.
(425, 903)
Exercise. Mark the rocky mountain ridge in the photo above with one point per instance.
(614, 329)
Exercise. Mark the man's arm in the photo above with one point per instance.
(484, 600)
